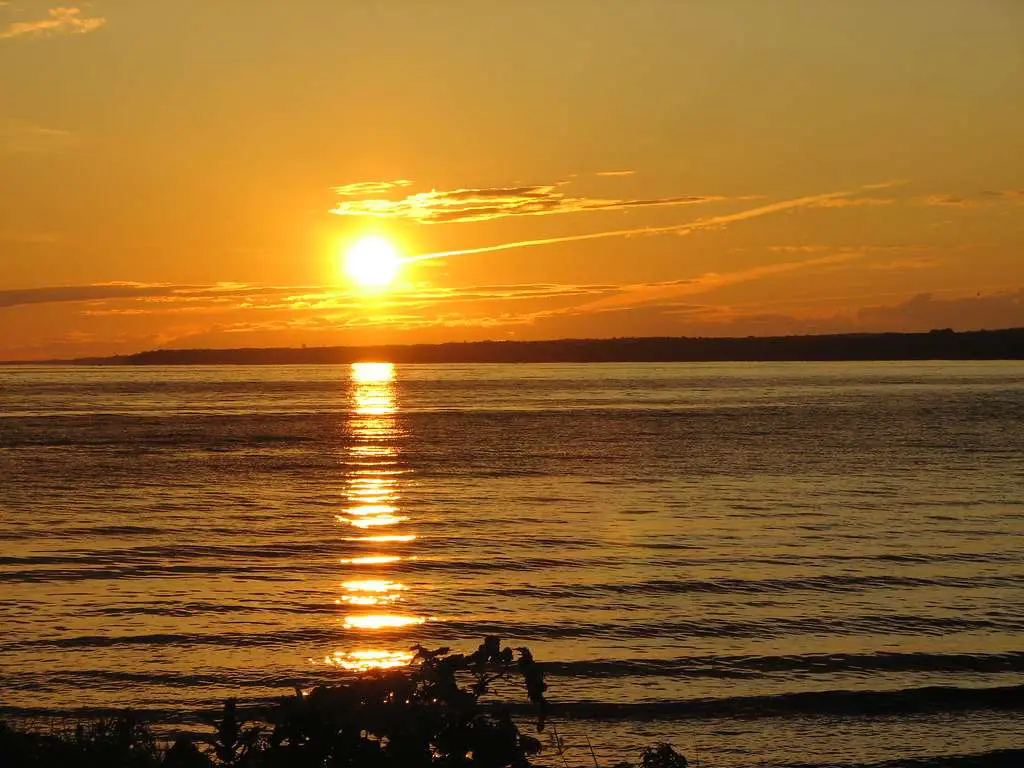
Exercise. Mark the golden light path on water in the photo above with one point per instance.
(373, 476)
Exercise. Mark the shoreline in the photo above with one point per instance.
(944, 344)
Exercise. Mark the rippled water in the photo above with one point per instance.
(795, 563)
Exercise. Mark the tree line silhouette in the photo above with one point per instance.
(939, 344)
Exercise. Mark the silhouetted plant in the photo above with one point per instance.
(185, 754)
(233, 743)
(662, 756)
(434, 713)
(430, 715)
(122, 741)
(119, 743)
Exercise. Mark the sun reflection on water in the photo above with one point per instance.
(381, 620)
(373, 474)
(364, 661)
(373, 585)
(367, 599)
(370, 522)
(399, 538)
(372, 509)
(373, 373)
(371, 560)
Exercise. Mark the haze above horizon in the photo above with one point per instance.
(276, 174)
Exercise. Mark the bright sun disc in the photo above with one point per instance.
(372, 262)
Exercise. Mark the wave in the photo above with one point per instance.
(154, 555)
(905, 701)
(114, 679)
(768, 627)
(724, 667)
(101, 572)
(745, 666)
(443, 629)
(833, 703)
(725, 586)
(241, 558)
(165, 639)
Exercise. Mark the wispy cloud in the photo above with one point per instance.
(21, 136)
(62, 20)
(898, 265)
(360, 188)
(949, 201)
(148, 292)
(1009, 195)
(615, 173)
(483, 204)
(988, 197)
(660, 292)
(679, 229)
(867, 248)
(907, 262)
(1004, 309)
(1001, 308)
(815, 248)
(852, 202)
(58, 294)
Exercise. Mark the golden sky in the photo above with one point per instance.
(190, 173)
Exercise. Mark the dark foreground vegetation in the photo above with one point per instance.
(439, 712)
(941, 344)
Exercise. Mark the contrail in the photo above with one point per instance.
(751, 213)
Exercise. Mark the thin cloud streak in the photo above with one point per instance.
(986, 198)
(78, 293)
(60, 21)
(646, 293)
(370, 187)
(145, 292)
(949, 201)
(854, 202)
(21, 136)
(1012, 195)
(714, 221)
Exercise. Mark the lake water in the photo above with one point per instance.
(791, 563)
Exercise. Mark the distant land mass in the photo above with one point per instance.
(1007, 344)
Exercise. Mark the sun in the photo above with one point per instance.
(372, 262)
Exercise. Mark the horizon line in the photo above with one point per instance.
(207, 351)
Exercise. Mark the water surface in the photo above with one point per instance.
(798, 562)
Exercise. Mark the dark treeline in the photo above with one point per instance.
(935, 345)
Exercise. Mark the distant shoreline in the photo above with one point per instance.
(1006, 344)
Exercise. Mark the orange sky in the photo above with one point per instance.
(189, 174)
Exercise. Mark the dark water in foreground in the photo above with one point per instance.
(794, 563)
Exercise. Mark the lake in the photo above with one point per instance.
(794, 563)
